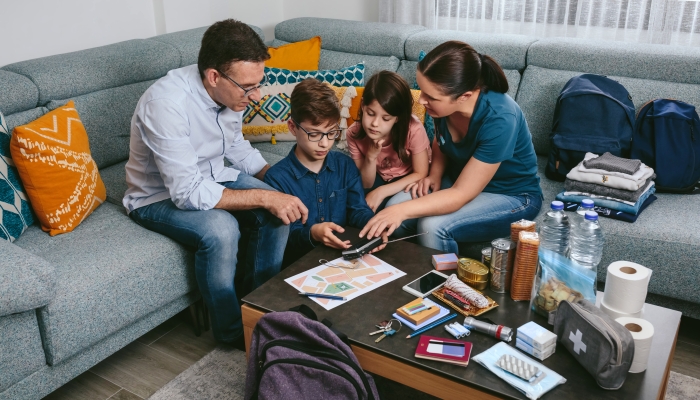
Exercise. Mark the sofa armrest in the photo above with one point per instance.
(27, 281)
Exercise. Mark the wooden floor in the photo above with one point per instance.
(141, 368)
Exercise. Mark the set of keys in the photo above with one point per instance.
(385, 329)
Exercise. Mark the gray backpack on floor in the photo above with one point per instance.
(604, 347)
(293, 356)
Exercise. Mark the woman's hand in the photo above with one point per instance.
(323, 233)
(374, 198)
(384, 223)
(422, 187)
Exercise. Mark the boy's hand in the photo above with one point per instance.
(374, 150)
(286, 207)
(374, 198)
(323, 233)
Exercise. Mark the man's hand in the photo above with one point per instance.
(374, 198)
(286, 207)
(422, 187)
(384, 223)
(374, 150)
(323, 233)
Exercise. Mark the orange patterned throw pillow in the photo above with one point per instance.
(52, 156)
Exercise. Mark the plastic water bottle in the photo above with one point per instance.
(586, 205)
(554, 231)
(587, 242)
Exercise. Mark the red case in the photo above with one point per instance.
(421, 351)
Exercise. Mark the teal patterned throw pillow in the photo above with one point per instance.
(348, 76)
(429, 124)
(15, 212)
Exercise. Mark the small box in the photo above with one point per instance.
(444, 262)
(422, 316)
(536, 336)
(539, 354)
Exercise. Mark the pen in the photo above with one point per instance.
(431, 326)
(323, 296)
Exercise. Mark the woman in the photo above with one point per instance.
(483, 174)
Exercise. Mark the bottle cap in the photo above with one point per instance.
(557, 205)
(588, 203)
(591, 216)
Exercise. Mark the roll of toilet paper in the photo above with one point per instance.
(614, 314)
(626, 287)
(643, 333)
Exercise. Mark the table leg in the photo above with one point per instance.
(250, 316)
(667, 374)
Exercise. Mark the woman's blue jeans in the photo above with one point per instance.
(214, 235)
(483, 219)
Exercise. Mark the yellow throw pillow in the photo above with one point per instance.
(52, 156)
(302, 55)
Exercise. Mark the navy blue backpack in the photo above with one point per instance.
(593, 114)
(667, 138)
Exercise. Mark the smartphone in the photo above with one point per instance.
(426, 284)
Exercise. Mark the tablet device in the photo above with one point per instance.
(426, 284)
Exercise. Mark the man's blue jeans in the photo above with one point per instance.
(214, 235)
(485, 218)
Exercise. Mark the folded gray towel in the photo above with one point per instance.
(627, 195)
(609, 162)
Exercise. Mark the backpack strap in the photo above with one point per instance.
(310, 314)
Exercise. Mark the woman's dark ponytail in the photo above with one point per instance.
(458, 68)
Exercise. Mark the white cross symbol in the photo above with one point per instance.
(576, 339)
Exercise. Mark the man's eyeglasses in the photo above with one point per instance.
(317, 136)
(246, 92)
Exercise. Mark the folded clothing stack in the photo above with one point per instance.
(611, 182)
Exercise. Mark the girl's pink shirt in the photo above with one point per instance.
(389, 165)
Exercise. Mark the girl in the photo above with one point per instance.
(483, 157)
(388, 144)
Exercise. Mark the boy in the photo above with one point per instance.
(326, 181)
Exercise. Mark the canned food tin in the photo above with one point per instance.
(502, 255)
(473, 273)
(486, 256)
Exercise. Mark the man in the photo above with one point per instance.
(183, 128)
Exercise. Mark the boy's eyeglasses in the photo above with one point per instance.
(317, 136)
(246, 92)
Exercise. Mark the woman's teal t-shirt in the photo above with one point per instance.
(497, 133)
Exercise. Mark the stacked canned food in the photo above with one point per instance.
(501, 264)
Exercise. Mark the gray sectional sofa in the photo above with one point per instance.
(67, 302)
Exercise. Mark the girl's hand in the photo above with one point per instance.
(384, 223)
(375, 149)
(374, 199)
(422, 187)
(323, 233)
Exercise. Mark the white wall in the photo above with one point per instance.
(39, 28)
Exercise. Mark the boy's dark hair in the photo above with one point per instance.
(315, 102)
(457, 68)
(227, 41)
(393, 95)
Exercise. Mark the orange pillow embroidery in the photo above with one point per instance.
(52, 156)
(303, 55)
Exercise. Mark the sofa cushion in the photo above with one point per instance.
(336, 60)
(124, 272)
(189, 42)
(114, 178)
(106, 115)
(407, 69)
(17, 93)
(540, 87)
(27, 281)
(73, 74)
(20, 348)
(606, 57)
(654, 240)
(511, 51)
(371, 38)
(24, 117)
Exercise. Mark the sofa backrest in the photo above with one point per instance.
(379, 45)
(510, 51)
(647, 71)
(105, 82)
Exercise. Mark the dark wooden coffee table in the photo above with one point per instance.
(393, 358)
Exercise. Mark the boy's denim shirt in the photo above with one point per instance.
(333, 195)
